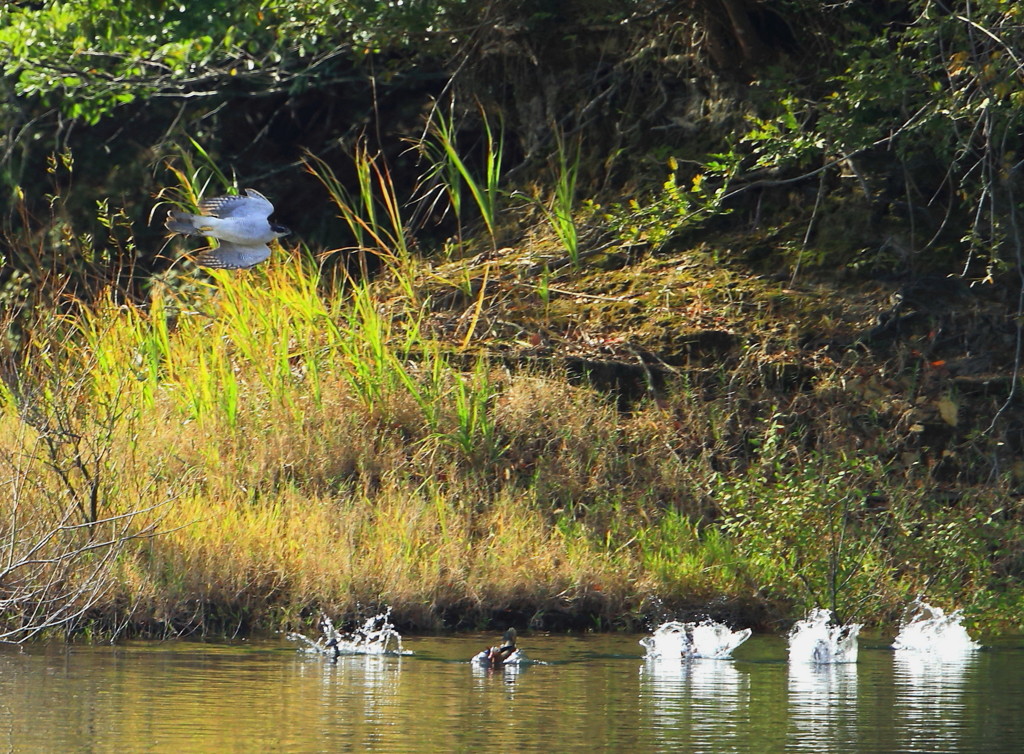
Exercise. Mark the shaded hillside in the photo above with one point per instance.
(890, 125)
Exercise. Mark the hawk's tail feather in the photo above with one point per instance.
(181, 222)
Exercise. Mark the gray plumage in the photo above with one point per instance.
(241, 225)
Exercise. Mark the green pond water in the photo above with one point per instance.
(595, 693)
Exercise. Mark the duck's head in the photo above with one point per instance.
(509, 639)
(497, 655)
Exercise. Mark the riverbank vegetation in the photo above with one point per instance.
(659, 323)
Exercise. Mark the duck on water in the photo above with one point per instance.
(497, 656)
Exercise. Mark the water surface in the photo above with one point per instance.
(595, 693)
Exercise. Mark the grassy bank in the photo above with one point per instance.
(270, 445)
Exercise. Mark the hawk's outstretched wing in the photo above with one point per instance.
(229, 256)
(254, 205)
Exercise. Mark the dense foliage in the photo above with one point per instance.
(909, 119)
(87, 57)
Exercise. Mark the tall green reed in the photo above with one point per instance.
(474, 430)
(194, 169)
(449, 166)
(560, 213)
(373, 214)
(559, 208)
(232, 346)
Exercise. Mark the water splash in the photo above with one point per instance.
(927, 629)
(706, 639)
(815, 640)
(377, 636)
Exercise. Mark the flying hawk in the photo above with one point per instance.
(241, 225)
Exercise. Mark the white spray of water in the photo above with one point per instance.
(377, 636)
(815, 640)
(706, 639)
(927, 629)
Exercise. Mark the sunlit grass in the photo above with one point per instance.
(320, 454)
(307, 443)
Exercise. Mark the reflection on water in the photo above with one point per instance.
(485, 673)
(703, 702)
(822, 705)
(930, 699)
(595, 693)
(368, 686)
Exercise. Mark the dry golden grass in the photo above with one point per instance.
(300, 449)
(306, 456)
